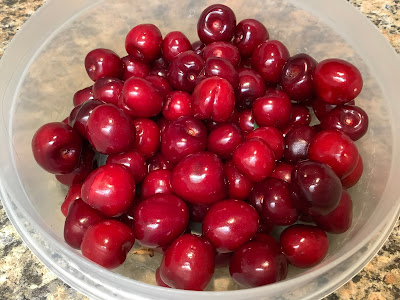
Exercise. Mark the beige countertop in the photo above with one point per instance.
(23, 276)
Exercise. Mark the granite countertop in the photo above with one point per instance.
(23, 276)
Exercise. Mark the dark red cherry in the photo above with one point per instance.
(268, 59)
(351, 120)
(224, 139)
(216, 23)
(251, 87)
(182, 137)
(83, 95)
(107, 243)
(335, 149)
(351, 179)
(133, 67)
(74, 193)
(103, 63)
(159, 280)
(159, 162)
(197, 47)
(213, 99)
(296, 79)
(134, 161)
(108, 89)
(249, 33)
(110, 130)
(199, 178)
(297, 142)
(316, 188)
(216, 66)
(177, 104)
(265, 227)
(175, 43)
(79, 218)
(143, 42)
(272, 136)
(162, 72)
(246, 121)
(321, 109)
(189, 263)
(160, 63)
(184, 70)
(57, 148)
(229, 224)
(304, 245)
(222, 50)
(157, 182)
(110, 189)
(336, 81)
(160, 83)
(239, 187)
(300, 116)
(256, 196)
(197, 212)
(80, 114)
(148, 137)
(283, 171)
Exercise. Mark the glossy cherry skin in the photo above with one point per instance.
(141, 98)
(304, 245)
(80, 114)
(182, 137)
(216, 23)
(246, 121)
(258, 263)
(296, 78)
(148, 137)
(159, 280)
(283, 171)
(321, 109)
(134, 161)
(159, 220)
(316, 188)
(103, 63)
(300, 116)
(297, 142)
(214, 99)
(83, 95)
(224, 139)
(110, 130)
(199, 178)
(229, 224)
(162, 72)
(160, 83)
(184, 70)
(216, 66)
(251, 87)
(110, 189)
(79, 218)
(177, 104)
(249, 33)
(256, 197)
(175, 43)
(74, 193)
(57, 148)
(273, 109)
(188, 263)
(272, 136)
(198, 47)
(268, 59)
(351, 120)
(157, 182)
(222, 50)
(351, 179)
(133, 67)
(160, 63)
(143, 42)
(107, 243)
(159, 162)
(339, 220)
(108, 89)
(254, 159)
(278, 207)
(197, 212)
(335, 149)
(336, 81)
(239, 187)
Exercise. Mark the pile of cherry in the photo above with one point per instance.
(216, 132)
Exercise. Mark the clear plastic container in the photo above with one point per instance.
(43, 67)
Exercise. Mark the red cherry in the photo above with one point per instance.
(108, 89)
(304, 245)
(272, 136)
(199, 178)
(197, 212)
(134, 161)
(83, 95)
(246, 121)
(249, 33)
(110, 189)
(147, 137)
(157, 182)
(251, 87)
(177, 104)
(300, 116)
(283, 171)
(107, 243)
(297, 143)
(103, 63)
(351, 179)
(80, 115)
(160, 63)
(159, 280)
(229, 224)
(188, 263)
(321, 109)
(224, 139)
(175, 43)
(222, 50)
(159, 162)
(134, 68)
(216, 66)
(143, 42)
(160, 83)
(74, 193)
(197, 47)
(239, 187)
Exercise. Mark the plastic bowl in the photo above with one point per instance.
(43, 67)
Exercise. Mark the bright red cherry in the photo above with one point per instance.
(216, 23)
(159, 280)
(74, 193)
(188, 263)
(157, 182)
(199, 178)
(283, 171)
(297, 142)
(216, 66)
(272, 136)
(107, 243)
(134, 161)
(110, 130)
(110, 189)
(108, 89)
(336, 81)
(83, 95)
(175, 43)
(351, 179)
(304, 245)
(134, 68)
(160, 83)
(148, 137)
(103, 63)
(222, 50)
(249, 33)
(159, 220)
(269, 58)
(213, 99)
(239, 187)
(80, 115)
(159, 162)
(79, 218)
(177, 104)
(229, 224)
(143, 42)
(254, 159)
(251, 87)
(246, 121)
(224, 139)
(57, 148)
(335, 149)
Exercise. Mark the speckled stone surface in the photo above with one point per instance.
(22, 276)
